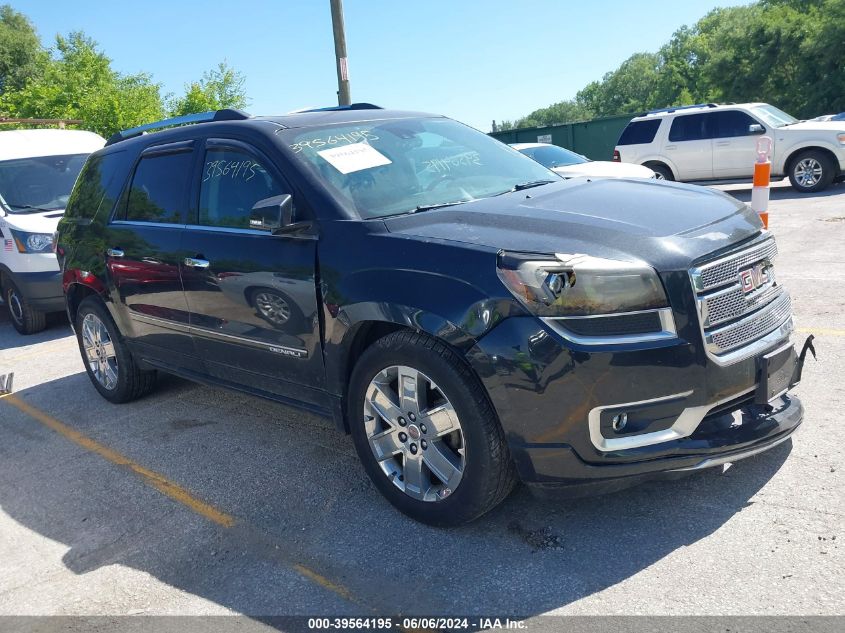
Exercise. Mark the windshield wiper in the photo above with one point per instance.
(527, 185)
(439, 205)
(30, 207)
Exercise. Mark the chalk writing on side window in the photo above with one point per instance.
(235, 169)
(348, 138)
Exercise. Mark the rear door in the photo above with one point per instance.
(690, 146)
(734, 147)
(252, 296)
(142, 252)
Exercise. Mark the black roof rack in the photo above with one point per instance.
(351, 106)
(686, 107)
(229, 114)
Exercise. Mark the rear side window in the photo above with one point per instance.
(691, 127)
(731, 123)
(639, 132)
(232, 182)
(159, 188)
(98, 186)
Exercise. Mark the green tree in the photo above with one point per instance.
(21, 55)
(78, 82)
(221, 87)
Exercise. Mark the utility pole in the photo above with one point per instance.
(343, 97)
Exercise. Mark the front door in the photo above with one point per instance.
(252, 296)
(734, 147)
(142, 252)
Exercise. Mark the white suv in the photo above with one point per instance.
(717, 143)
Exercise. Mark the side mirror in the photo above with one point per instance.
(756, 128)
(272, 213)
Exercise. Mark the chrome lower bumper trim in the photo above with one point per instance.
(734, 457)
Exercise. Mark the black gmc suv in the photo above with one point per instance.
(468, 316)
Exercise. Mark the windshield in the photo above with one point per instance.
(774, 116)
(389, 167)
(30, 185)
(553, 156)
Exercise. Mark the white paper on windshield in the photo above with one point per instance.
(355, 157)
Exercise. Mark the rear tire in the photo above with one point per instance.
(108, 361)
(448, 416)
(662, 171)
(24, 318)
(811, 171)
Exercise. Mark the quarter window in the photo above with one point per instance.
(232, 182)
(159, 188)
(639, 132)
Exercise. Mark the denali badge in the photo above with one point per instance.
(754, 277)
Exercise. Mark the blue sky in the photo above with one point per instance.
(473, 60)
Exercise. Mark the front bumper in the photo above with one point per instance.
(43, 290)
(556, 402)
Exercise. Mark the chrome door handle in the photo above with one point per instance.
(192, 262)
(723, 143)
(671, 147)
(114, 252)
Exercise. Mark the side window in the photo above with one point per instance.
(732, 123)
(691, 127)
(159, 188)
(639, 132)
(232, 182)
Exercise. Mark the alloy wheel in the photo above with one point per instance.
(414, 433)
(99, 351)
(808, 172)
(15, 306)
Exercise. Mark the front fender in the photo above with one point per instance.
(786, 151)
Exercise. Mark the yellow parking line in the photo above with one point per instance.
(160, 483)
(157, 481)
(821, 331)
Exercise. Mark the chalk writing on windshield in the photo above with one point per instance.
(441, 165)
(348, 138)
(244, 169)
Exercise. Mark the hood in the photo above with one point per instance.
(33, 222)
(664, 224)
(604, 169)
(815, 126)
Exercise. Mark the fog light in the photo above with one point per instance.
(619, 421)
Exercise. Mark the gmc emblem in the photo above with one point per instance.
(754, 277)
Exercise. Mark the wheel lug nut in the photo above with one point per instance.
(402, 421)
(402, 437)
(423, 429)
(412, 416)
(414, 449)
(424, 444)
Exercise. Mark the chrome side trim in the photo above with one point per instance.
(667, 324)
(684, 426)
(729, 459)
(226, 229)
(294, 352)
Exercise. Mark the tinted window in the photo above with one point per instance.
(638, 132)
(732, 123)
(158, 188)
(691, 127)
(232, 182)
(553, 156)
(97, 187)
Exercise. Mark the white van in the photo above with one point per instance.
(37, 171)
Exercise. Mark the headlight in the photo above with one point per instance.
(580, 285)
(32, 242)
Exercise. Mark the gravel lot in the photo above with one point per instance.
(110, 509)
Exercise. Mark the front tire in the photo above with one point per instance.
(108, 361)
(426, 432)
(811, 171)
(24, 318)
